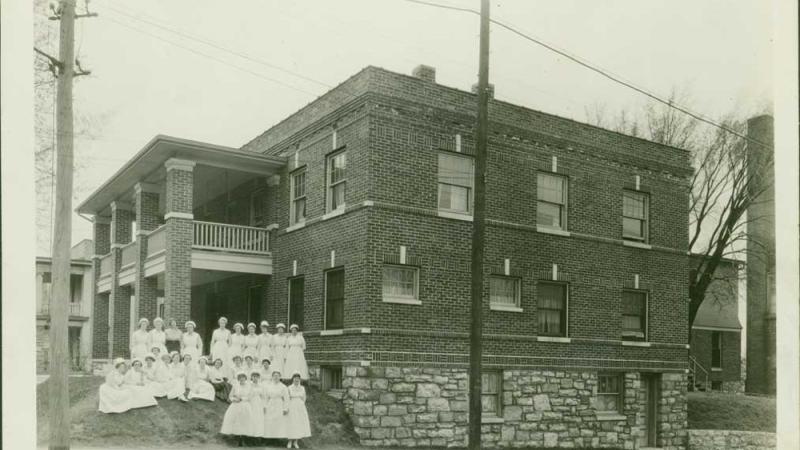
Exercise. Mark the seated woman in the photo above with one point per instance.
(218, 379)
(136, 382)
(157, 389)
(114, 397)
(197, 381)
(176, 387)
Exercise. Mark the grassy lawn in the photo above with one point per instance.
(718, 411)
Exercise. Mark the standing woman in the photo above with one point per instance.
(191, 344)
(173, 336)
(279, 348)
(237, 342)
(140, 340)
(251, 342)
(237, 418)
(256, 406)
(264, 344)
(276, 398)
(157, 337)
(220, 341)
(295, 358)
(297, 424)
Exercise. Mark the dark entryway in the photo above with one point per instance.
(296, 294)
(651, 393)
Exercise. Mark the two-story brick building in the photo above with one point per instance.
(353, 217)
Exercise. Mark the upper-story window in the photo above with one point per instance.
(551, 207)
(258, 210)
(635, 216)
(456, 174)
(716, 350)
(634, 315)
(297, 213)
(336, 180)
(551, 308)
(400, 283)
(504, 291)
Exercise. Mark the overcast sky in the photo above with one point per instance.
(141, 85)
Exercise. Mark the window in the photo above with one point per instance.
(337, 180)
(504, 291)
(551, 208)
(716, 385)
(455, 183)
(400, 282)
(330, 377)
(609, 393)
(296, 293)
(298, 195)
(75, 288)
(491, 393)
(634, 216)
(551, 308)
(634, 315)
(716, 350)
(258, 210)
(334, 299)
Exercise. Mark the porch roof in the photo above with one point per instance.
(155, 153)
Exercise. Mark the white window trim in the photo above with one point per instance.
(552, 230)
(517, 307)
(646, 317)
(336, 212)
(403, 300)
(294, 227)
(558, 339)
(325, 305)
(328, 186)
(454, 213)
(507, 308)
(635, 343)
(646, 238)
(292, 199)
(636, 244)
(289, 295)
(565, 212)
(566, 312)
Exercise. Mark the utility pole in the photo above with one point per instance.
(478, 236)
(63, 68)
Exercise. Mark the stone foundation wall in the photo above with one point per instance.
(727, 439)
(415, 406)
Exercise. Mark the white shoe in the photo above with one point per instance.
(289, 444)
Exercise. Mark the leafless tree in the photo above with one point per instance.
(722, 185)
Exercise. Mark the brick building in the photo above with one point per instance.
(716, 342)
(352, 218)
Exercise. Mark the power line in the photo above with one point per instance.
(596, 69)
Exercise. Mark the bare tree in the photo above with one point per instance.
(722, 186)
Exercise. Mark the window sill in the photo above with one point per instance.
(716, 369)
(603, 416)
(336, 212)
(455, 215)
(296, 226)
(562, 340)
(505, 308)
(555, 231)
(635, 343)
(331, 332)
(635, 244)
(492, 419)
(402, 301)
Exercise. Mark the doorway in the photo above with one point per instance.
(650, 395)
(74, 340)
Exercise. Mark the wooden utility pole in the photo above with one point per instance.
(478, 234)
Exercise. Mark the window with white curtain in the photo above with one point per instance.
(609, 393)
(336, 180)
(298, 195)
(456, 174)
(504, 291)
(492, 393)
(551, 308)
(551, 207)
(634, 216)
(634, 315)
(400, 282)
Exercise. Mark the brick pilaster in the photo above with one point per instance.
(147, 220)
(120, 296)
(178, 258)
(102, 245)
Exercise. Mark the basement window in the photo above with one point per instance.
(330, 378)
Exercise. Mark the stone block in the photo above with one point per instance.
(382, 433)
(387, 398)
(361, 408)
(361, 383)
(541, 402)
(427, 418)
(379, 410)
(393, 372)
(391, 421)
(403, 387)
(397, 410)
(445, 417)
(402, 432)
(507, 433)
(380, 383)
(428, 390)
(513, 413)
(459, 405)
(550, 440)
(350, 371)
(438, 404)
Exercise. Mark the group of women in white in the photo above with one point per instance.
(243, 369)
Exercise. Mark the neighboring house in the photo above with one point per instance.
(715, 357)
(80, 306)
(353, 218)
(761, 336)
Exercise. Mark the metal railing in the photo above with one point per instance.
(128, 254)
(157, 240)
(237, 238)
(106, 265)
(75, 309)
(694, 368)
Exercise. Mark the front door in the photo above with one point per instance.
(255, 298)
(650, 394)
(75, 347)
(296, 288)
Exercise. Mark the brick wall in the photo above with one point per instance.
(731, 359)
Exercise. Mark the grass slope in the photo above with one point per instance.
(174, 422)
(718, 411)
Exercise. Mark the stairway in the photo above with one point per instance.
(698, 376)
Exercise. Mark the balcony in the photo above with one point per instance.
(75, 309)
(232, 238)
(127, 271)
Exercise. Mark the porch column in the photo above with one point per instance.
(100, 331)
(147, 220)
(120, 297)
(178, 258)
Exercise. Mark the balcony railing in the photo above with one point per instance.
(106, 264)
(157, 240)
(129, 254)
(235, 238)
(74, 309)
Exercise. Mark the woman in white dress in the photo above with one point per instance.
(197, 378)
(264, 344)
(140, 344)
(176, 387)
(191, 343)
(249, 366)
(151, 373)
(256, 406)
(237, 418)
(221, 341)
(237, 342)
(297, 424)
(265, 371)
(218, 377)
(114, 397)
(251, 342)
(157, 337)
(174, 336)
(163, 376)
(295, 356)
(276, 398)
(279, 348)
(136, 382)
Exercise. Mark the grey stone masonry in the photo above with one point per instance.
(728, 439)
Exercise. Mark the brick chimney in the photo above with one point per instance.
(491, 89)
(424, 72)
